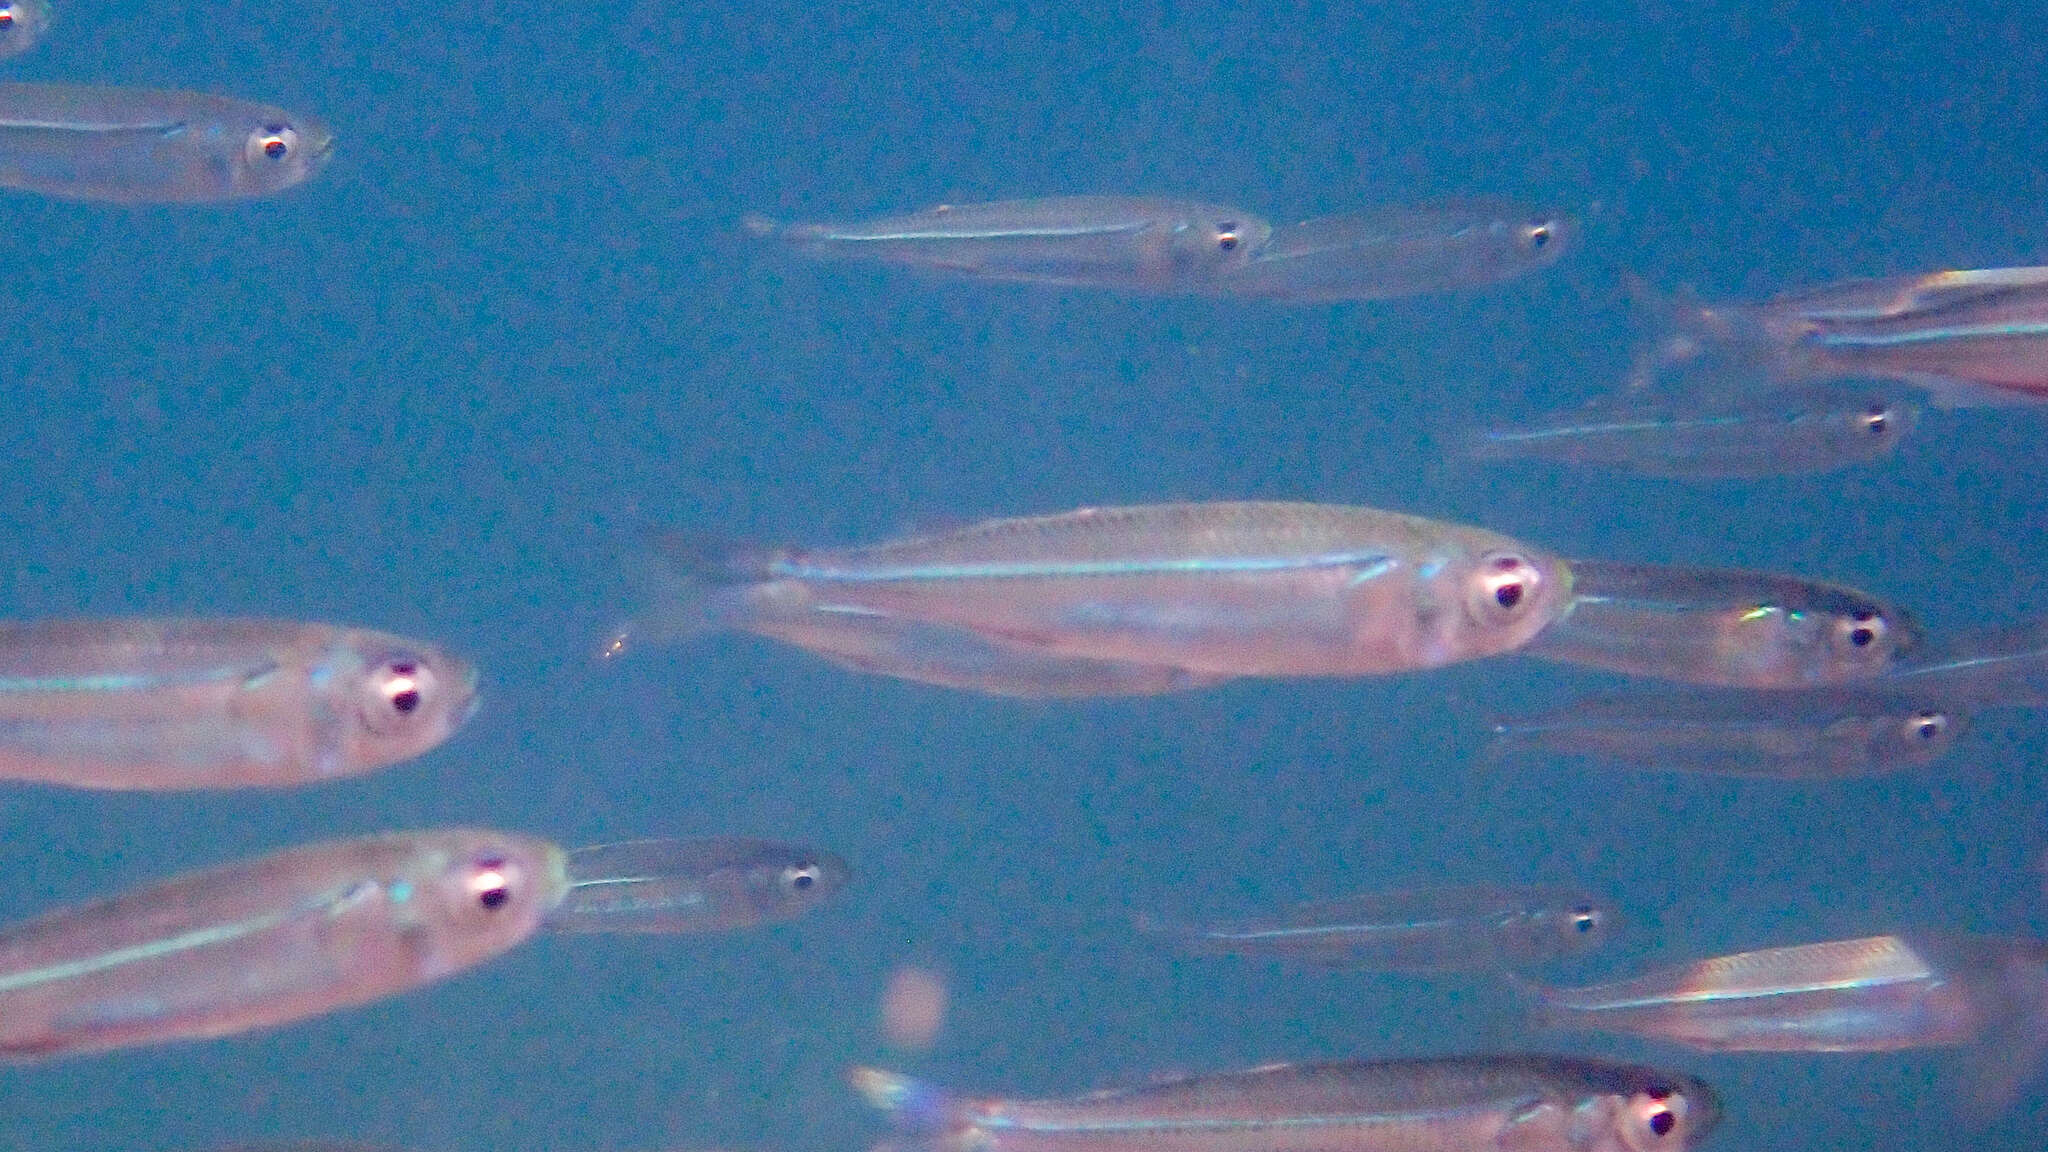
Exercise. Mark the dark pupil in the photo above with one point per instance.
(1927, 727)
(1583, 921)
(1662, 1123)
(274, 148)
(496, 897)
(803, 880)
(406, 701)
(1508, 595)
(1862, 637)
(1539, 237)
(1227, 242)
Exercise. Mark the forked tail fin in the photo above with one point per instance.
(689, 584)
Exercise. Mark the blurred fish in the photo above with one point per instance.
(270, 941)
(1791, 735)
(1724, 627)
(715, 884)
(1876, 994)
(1216, 590)
(1453, 1104)
(1137, 243)
(166, 704)
(22, 25)
(1403, 250)
(1420, 930)
(2000, 667)
(1782, 432)
(958, 658)
(1969, 337)
(134, 145)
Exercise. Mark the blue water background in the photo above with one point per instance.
(437, 390)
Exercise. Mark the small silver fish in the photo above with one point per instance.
(1428, 929)
(712, 884)
(1453, 1104)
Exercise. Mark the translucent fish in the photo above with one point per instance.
(1724, 627)
(23, 23)
(1782, 432)
(2001, 667)
(1217, 590)
(1970, 337)
(1795, 735)
(270, 941)
(715, 884)
(166, 704)
(1421, 930)
(1134, 243)
(1453, 1104)
(1875, 994)
(1404, 250)
(135, 145)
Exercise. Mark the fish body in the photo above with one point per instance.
(1136, 243)
(1403, 250)
(134, 145)
(1419, 930)
(1875, 994)
(269, 941)
(1786, 431)
(713, 884)
(1787, 735)
(1725, 627)
(1525, 1103)
(164, 704)
(1216, 590)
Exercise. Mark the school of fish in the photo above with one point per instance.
(1764, 675)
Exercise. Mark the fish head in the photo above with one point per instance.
(1218, 239)
(479, 892)
(401, 699)
(281, 150)
(1646, 1110)
(1505, 594)
(1541, 238)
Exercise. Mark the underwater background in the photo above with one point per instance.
(441, 388)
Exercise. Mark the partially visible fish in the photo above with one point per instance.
(1404, 250)
(1999, 667)
(1212, 590)
(1451, 1104)
(1785, 431)
(1801, 734)
(1428, 929)
(713, 884)
(1135, 243)
(1724, 627)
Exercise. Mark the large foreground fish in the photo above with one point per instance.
(1456, 1104)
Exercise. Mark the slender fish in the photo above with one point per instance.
(1802, 734)
(1455, 1104)
(1724, 627)
(1876, 994)
(715, 884)
(134, 145)
(1217, 590)
(1783, 432)
(166, 704)
(1144, 244)
(1403, 250)
(270, 941)
(1418, 930)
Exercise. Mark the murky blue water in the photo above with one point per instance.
(436, 390)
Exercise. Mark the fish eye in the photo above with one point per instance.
(7, 15)
(397, 688)
(273, 143)
(490, 882)
(801, 879)
(1657, 1115)
(1864, 629)
(1927, 726)
(1227, 237)
(1504, 586)
(1585, 918)
(1877, 420)
(1539, 235)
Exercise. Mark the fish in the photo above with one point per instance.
(1217, 590)
(1403, 250)
(1136, 243)
(143, 146)
(1529, 1103)
(1810, 734)
(2005, 666)
(1783, 432)
(1969, 337)
(714, 884)
(1427, 929)
(1725, 627)
(1872, 994)
(164, 704)
(266, 942)
(23, 24)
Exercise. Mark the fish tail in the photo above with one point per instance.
(692, 584)
(1687, 346)
(1539, 1005)
(912, 1104)
(755, 224)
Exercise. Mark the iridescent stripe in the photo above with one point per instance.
(1372, 564)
